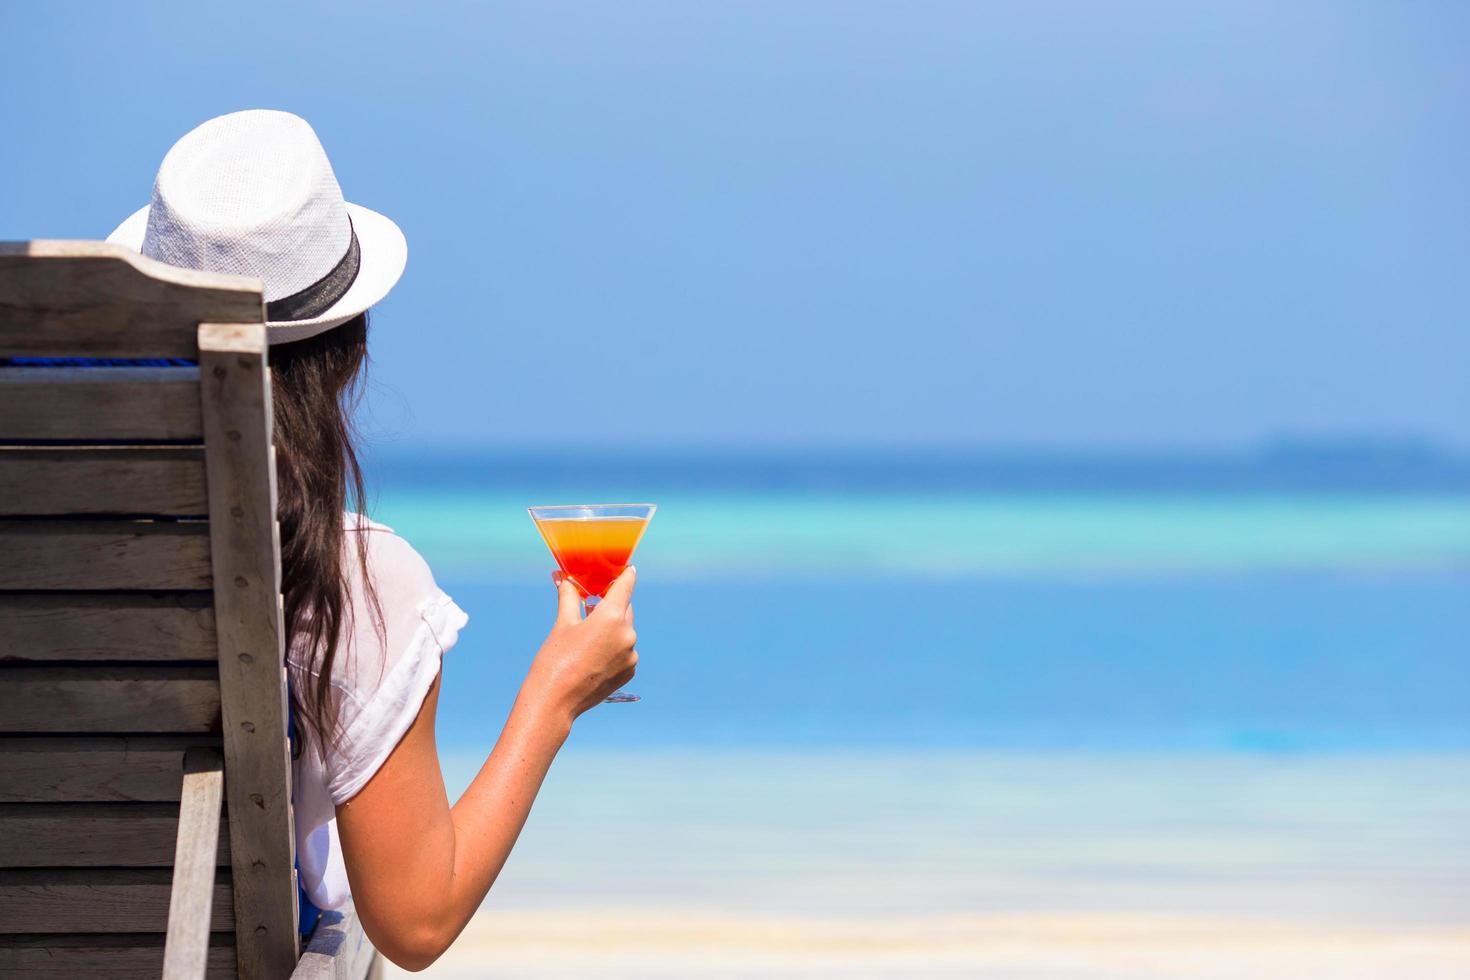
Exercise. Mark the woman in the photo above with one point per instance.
(253, 193)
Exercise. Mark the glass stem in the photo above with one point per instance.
(619, 696)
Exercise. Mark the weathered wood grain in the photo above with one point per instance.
(99, 403)
(338, 949)
(107, 626)
(88, 835)
(114, 956)
(99, 900)
(132, 480)
(109, 699)
(104, 554)
(90, 299)
(92, 769)
(186, 947)
(76, 298)
(236, 400)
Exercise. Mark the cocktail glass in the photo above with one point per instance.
(593, 543)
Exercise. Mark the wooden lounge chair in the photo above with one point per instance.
(142, 687)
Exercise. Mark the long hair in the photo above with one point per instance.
(316, 385)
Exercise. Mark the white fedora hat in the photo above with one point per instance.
(253, 193)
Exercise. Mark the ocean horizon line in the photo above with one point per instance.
(1280, 466)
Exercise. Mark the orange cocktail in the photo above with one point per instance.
(592, 550)
(593, 544)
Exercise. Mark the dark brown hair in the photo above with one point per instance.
(316, 385)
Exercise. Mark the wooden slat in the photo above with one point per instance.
(102, 554)
(108, 403)
(112, 699)
(115, 957)
(236, 403)
(60, 480)
(99, 900)
(186, 948)
(107, 626)
(73, 299)
(83, 769)
(86, 835)
(338, 949)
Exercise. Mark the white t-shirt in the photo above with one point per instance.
(379, 681)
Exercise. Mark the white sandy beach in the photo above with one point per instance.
(669, 942)
(907, 865)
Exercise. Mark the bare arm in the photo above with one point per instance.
(418, 867)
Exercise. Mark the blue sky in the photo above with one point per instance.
(1034, 224)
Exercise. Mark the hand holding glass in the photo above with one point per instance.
(593, 543)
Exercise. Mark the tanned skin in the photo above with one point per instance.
(419, 868)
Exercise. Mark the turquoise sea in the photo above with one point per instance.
(1147, 604)
(887, 690)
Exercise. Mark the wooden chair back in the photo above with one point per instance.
(140, 621)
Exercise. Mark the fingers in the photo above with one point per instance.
(620, 593)
(568, 601)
